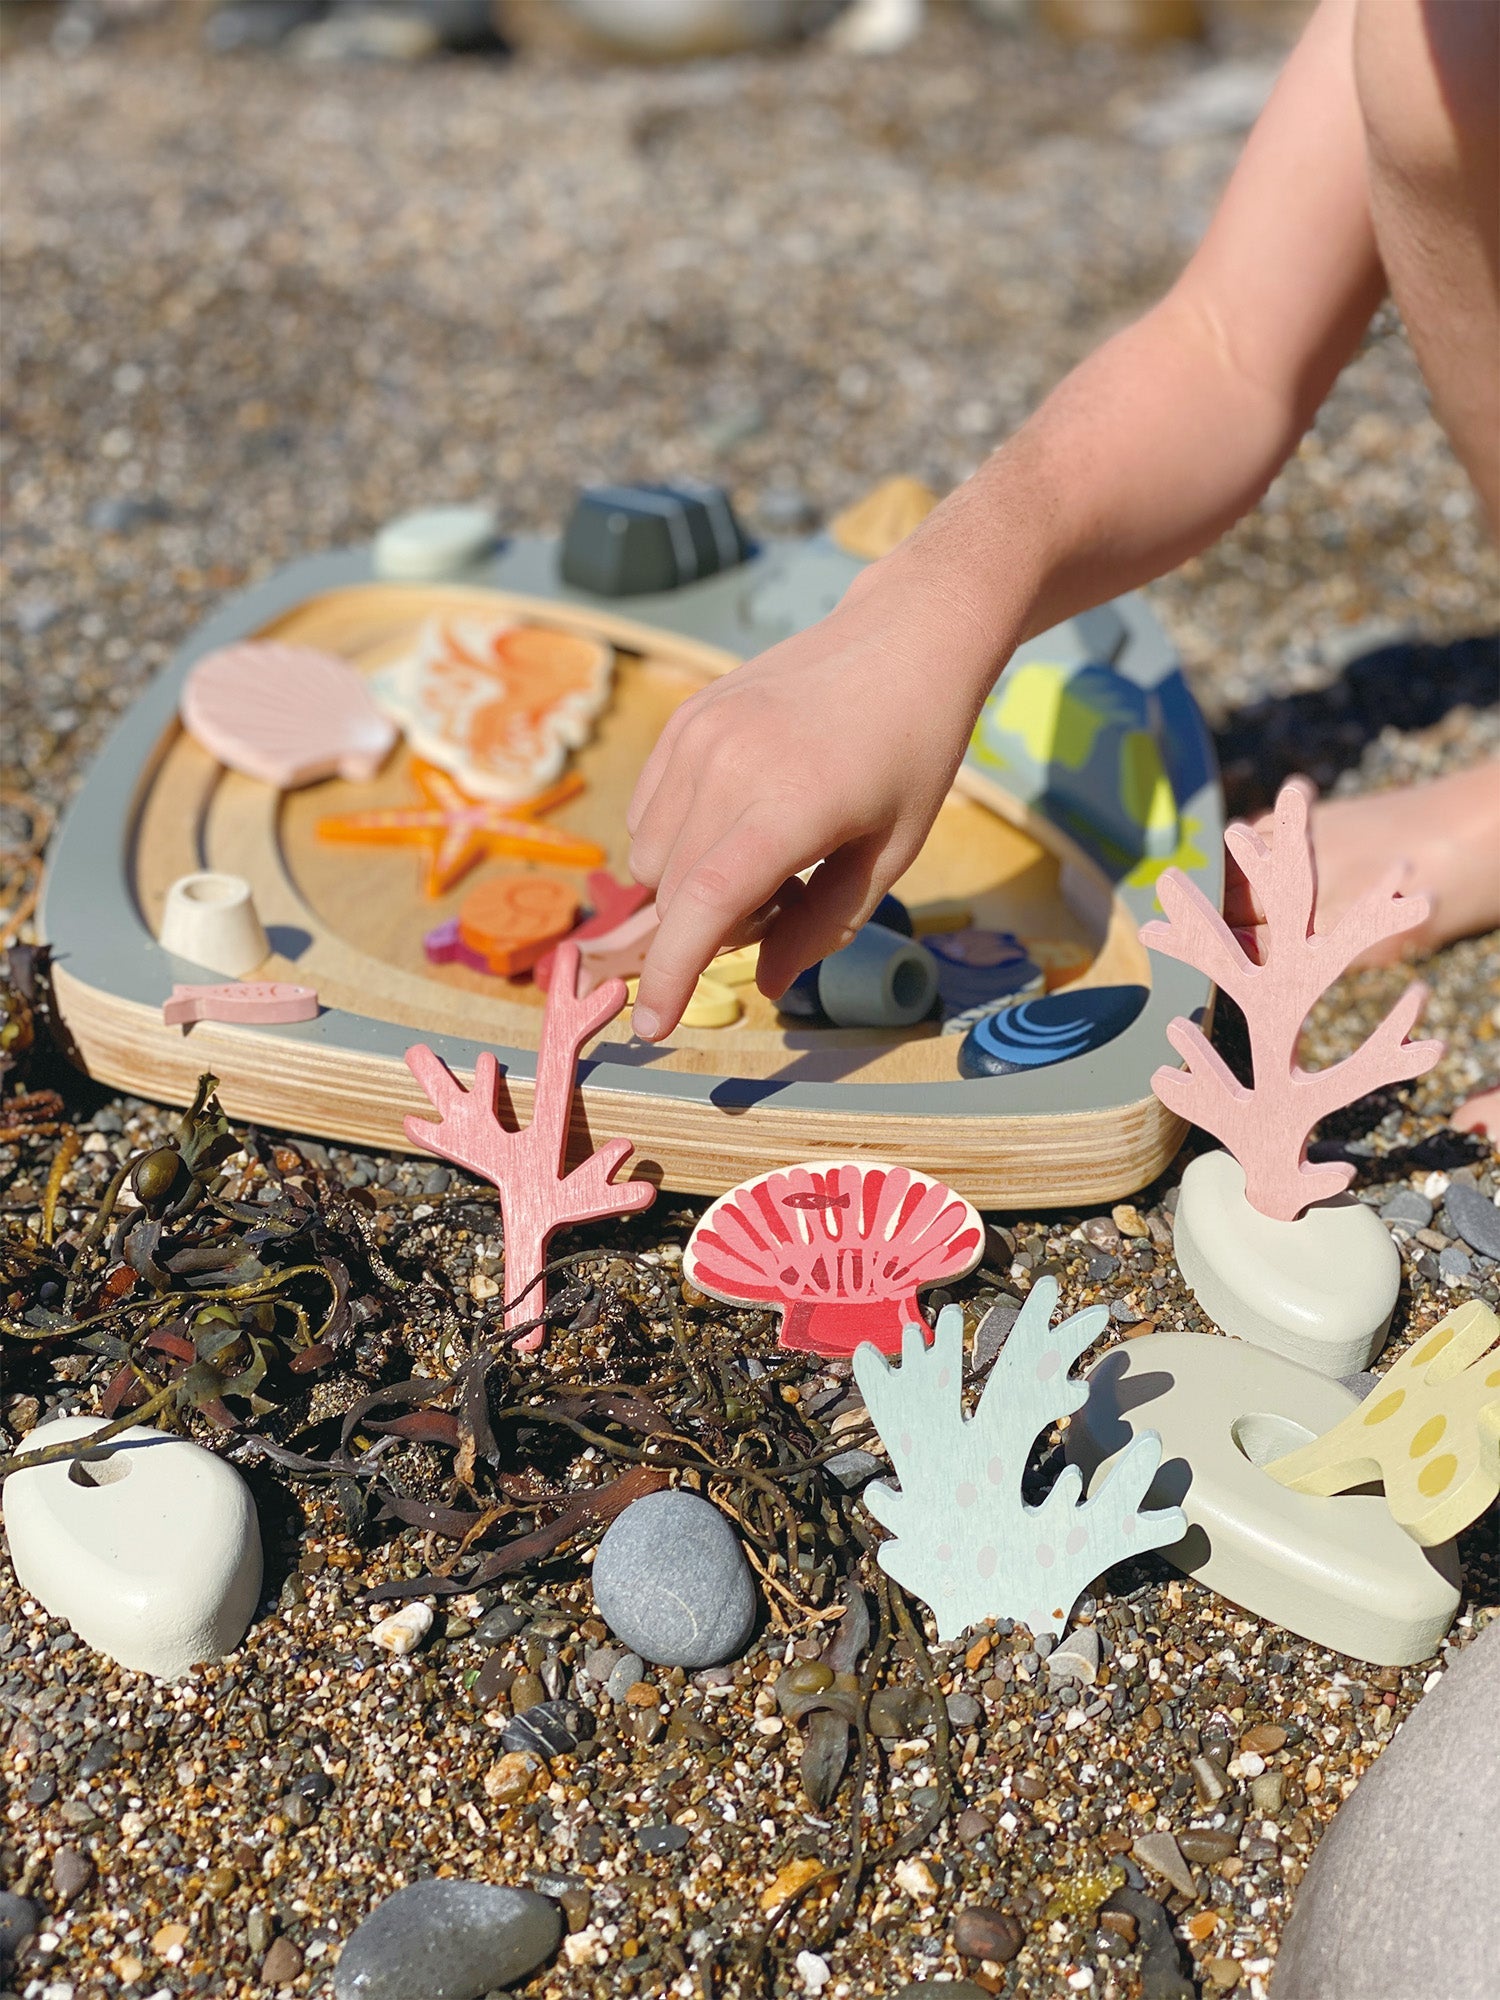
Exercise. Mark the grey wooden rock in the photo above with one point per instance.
(671, 1582)
(440, 1940)
(1474, 1217)
(1403, 1895)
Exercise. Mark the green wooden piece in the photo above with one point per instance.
(963, 1539)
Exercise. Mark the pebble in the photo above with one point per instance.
(662, 1839)
(19, 1919)
(526, 1690)
(447, 1940)
(509, 1778)
(1474, 1217)
(623, 1676)
(1266, 1793)
(964, 1710)
(1265, 1739)
(548, 1728)
(972, 1825)
(499, 1624)
(1407, 1206)
(852, 1468)
(72, 1873)
(1205, 1845)
(281, 1964)
(982, 1931)
(1160, 1853)
(672, 1583)
(993, 1331)
(1076, 1659)
(404, 1630)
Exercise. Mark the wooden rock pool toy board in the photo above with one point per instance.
(1090, 771)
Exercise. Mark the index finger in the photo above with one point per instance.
(723, 894)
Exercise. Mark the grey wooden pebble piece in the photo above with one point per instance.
(672, 1583)
(1403, 1895)
(446, 1940)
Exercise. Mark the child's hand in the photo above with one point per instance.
(836, 747)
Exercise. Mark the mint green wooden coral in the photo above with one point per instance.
(961, 1536)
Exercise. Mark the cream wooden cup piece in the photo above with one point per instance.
(151, 1553)
(879, 980)
(211, 921)
(1338, 1571)
(1320, 1290)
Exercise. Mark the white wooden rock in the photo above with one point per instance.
(1338, 1571)
(151, 1554)
(1320, 1290)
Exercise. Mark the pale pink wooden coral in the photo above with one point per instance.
(537, 1195)
(1266, 1127)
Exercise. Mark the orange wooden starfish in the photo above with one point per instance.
(460, 831)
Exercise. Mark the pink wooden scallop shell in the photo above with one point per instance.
(285, 714)
(842, 1246)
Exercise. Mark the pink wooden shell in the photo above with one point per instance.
(285, 714)
(842, 1246)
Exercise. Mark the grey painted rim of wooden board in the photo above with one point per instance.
(91, 917)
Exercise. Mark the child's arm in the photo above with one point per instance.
(838, 746)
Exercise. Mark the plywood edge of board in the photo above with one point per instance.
(359, 1098)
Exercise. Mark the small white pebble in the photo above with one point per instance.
(1435, 1186)
(1247, 1765)
(914, 1878)
(404, 1630)
(767, 1725)
(1081, 1980)
(814, 1972)
(1432, 1680)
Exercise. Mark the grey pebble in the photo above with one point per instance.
(500, 1623)
(1407, 1205)
(1474, 1217)
(72, 1873)
(623, 1675)
(993, 1330)
(671, 1582)
(447, 1940)
(661, 1839)
(853, 1467)
(963, 1710)
(437, 1181)
(1454, 1263)
(19, 1919)
(548, 1728)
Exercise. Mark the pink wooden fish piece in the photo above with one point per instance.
(285, 714)
(253, 1001)
(618, 954)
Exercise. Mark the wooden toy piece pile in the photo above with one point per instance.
(1262, 1442)
(491, 710)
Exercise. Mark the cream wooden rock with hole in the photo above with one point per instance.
(1338, 1571)
(152, 1554)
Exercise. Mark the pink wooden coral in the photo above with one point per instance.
(1266, 1126)
(537, 1195)
(841, 1247)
